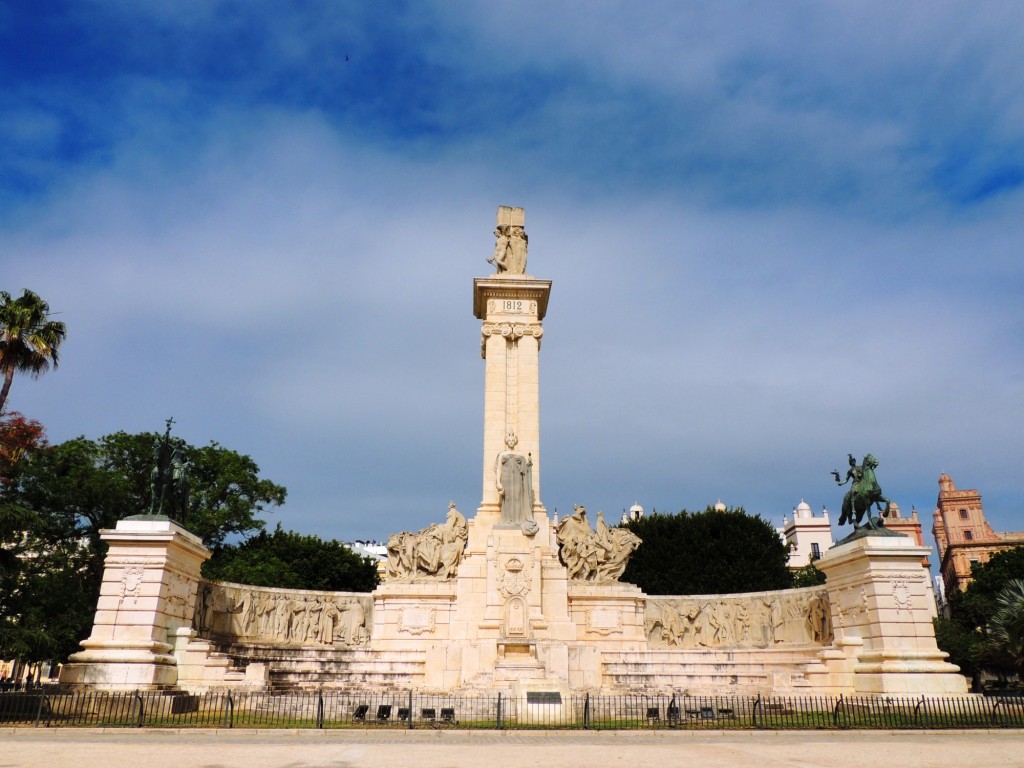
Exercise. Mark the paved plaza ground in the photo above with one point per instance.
(86, 748)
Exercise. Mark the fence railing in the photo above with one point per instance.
(330, 709)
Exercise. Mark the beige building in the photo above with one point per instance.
(909, 526)
(963, 535)
(807, 536)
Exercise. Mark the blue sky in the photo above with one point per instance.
(777, 234)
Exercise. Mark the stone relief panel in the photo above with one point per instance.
(901, 594)
(417, 621)
(236, 613)
(604, 621)
(514, 581)
(593, 555)
(850, 601)
(739, 621)
(131, 584)
(514, 585)
(432, 554)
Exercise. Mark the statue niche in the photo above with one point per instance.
(433, 553)
(593, 555)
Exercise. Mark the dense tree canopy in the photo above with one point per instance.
(970, 636)
(18, 638)
(54, 502)
(289, 559)
(707, 552)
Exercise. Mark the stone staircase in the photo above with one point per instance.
(298, 669)
(698, 672)
(201, 666)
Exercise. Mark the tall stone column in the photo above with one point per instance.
(511, 623)
(512, 308)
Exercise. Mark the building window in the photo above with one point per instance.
(963, 514)
(968, 536)
(815, 550)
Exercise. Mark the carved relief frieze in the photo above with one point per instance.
(739, 621)
(237, 613)
(907, 576)
(118, 561)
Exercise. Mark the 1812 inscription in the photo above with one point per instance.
(512, 306)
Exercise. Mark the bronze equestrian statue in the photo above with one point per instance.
(863, 495)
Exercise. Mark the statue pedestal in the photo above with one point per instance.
(148, 593)
(881, 608)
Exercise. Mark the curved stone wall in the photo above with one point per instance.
(239, 613)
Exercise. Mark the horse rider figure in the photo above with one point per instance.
(864, 494)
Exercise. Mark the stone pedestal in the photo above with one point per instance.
(882, 620)
(148, 594)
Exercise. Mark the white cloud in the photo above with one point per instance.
(301, 293)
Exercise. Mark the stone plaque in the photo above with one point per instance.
(543, 697)
(512, 306)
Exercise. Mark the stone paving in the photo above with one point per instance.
(145, 748)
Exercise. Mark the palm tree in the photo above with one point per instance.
(29, 340)
(1007, 624)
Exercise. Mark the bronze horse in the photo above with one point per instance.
(863, 495)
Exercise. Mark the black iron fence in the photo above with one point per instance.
(330, 709)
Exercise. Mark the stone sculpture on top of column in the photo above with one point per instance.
(511, 242)
(169, 485)
(862, 498)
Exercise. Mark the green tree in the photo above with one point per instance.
(975, 606)
(961, 644)
(1006, 628)
(21, 635)
(57, 499)
(29, 339)
(808, 576)
(967, 634)
(707, 552)
(293, 560)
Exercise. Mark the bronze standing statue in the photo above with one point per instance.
(169, 478)
(864, 494)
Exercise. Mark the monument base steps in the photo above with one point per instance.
(299, 669)
(711, 672)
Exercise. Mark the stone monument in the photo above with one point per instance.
(506, 601)
(881, 601)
